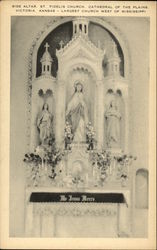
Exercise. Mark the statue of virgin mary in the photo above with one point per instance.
(113, 118)
(77, 114)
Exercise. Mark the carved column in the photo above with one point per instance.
(100, 114)
(34, 113)
(126, 124)
(95, 108)
(60, 113)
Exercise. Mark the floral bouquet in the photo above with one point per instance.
(78, 181)
(124, 161)
(103, 161)
(44, 160)
(90, 136)
(32, 158)
(33, 162)
(68, 136)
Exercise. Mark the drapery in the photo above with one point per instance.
(45, 218)
(44, 123)
(113, 127)
(77, 116)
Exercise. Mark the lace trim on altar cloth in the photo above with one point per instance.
(75, 209)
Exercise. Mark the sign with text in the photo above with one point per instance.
(77, 197)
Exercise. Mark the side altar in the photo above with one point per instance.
(78, 163)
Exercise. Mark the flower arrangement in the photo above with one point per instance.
(33, 161)
(124, 161)
(77, 180)
(102, 160)
(90, 136)
(68, 136)
(32, 158)
(44, 158)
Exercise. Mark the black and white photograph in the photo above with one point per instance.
(79, 140)
(79, 121)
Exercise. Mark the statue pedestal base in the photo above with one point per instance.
(77, 162)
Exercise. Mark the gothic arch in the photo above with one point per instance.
(119, 36)
(88, 78)
(58, 21)
(141, 188)
(54, 23)
(114, 94)
(83, 66)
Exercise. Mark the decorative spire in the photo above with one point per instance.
(80, 26)
(114, 61)
(115, 51)
(46, 46)
(46, 61)
(61, 43)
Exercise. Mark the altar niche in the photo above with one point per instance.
(141, 188)
(43, 112)
(79, 108)
(76, 54)
(79, 104)
(114, 120)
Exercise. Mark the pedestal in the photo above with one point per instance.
(78, 158)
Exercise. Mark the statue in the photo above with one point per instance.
(77, 114)
(44, 124)
(113, 125)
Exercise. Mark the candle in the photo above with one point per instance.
(93, 172)
(114, 164)
(42, 163)
(110, 170)
(127, 168)
(45, 168)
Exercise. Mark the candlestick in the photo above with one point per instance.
(42, 163)
(110, 169)
(45, 167)
(127, 168)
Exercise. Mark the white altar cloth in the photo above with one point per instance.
(42, 218)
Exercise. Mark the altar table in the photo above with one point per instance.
(43, 207)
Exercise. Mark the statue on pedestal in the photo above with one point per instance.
(44, 124)
(77, 114)
(113, 118)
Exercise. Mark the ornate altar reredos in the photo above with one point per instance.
(79, 111)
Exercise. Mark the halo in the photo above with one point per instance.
(78, 82)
